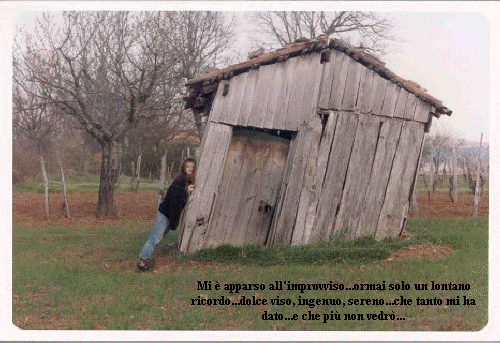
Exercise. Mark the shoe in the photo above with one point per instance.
(145, 265)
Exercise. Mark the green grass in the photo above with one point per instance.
(79, 183)
(84, 278)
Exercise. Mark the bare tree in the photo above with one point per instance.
(108, 71)
(33, 120)
(370, 29)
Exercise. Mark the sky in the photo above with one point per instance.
(450, 48)
(445, 52)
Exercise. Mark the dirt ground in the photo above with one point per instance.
(28, 208)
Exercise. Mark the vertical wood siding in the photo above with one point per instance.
(349, 171)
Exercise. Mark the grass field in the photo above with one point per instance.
(83, 277)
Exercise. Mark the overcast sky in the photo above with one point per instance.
(446, 49)
(445, 52)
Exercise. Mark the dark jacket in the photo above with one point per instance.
(174, 201)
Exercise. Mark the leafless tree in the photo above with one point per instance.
(370, 29)
(109, 71)
(33, 120)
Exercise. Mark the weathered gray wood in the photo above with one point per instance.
(363, 104)
(308, 110)
(250, 177)
(278, 90)
(391, 96)
(285, 222)
(262, 92)
(207, 181)
(283, 190)
(422, 111)
(280, 114)
(217, 104)
(230, 187)
(327, 81)
(268, 188)
(352, 85)
(253, 173)
(378, 94)
(233, 100)
(331, 188)
(308, 188)
(399, 111)
(411, 105)
(248, 98)
(297, 89)
(357, 177)
(339, 81)
(319, 176)
(397, 197)
(374, 197)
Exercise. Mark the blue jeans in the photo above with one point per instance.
(160, 228)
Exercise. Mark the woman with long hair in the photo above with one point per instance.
(169, 212)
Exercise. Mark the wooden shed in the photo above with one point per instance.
(315, 141)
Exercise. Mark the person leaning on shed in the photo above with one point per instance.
(169, 212)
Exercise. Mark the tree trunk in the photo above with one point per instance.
(138, 174)
(45, 186)
(110, 171)
(478, 180)
(453, 178)
(65, 204)
(431, 181)
(161, 181)
(132, 176)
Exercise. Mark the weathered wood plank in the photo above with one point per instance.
(248, 99)
(397, 197)
(422, 111)
(297, 89)
(363, 104)
(276, 221)
(327, 81)
(278, 90)
(308, 189)
(280, 114)
(265, 202)
(208, 178)
(250, 177)
(377, 186)
(411, 105)
(399, 111)
(332, 186)
(339, 81)
(285, 222)
(357, 177)
(378, 94)
(352, 85)
(230, 186)
(319, 176)
(233, 102)
(308, 109)
(217, 104)
(391, 96)
(261, 97)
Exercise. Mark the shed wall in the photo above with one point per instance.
(350, 169)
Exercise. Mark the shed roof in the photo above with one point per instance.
(322, 43)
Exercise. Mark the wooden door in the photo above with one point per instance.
(248, 191)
